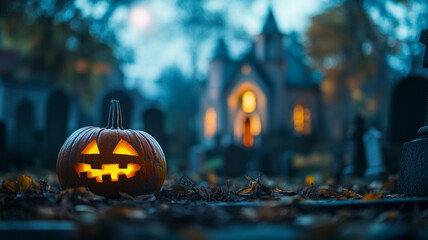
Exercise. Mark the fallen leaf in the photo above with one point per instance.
(24, 182)
(11, 186)
(285, 192)
(351, 194)
(36, 185)
(328, 192)
(81, 189)
(372, 197)
(212, 178)
(310, 181)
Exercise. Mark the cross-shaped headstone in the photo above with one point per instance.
(424, 40)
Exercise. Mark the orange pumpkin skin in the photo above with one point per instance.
(105, 171)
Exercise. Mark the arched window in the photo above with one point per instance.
(248, 101)
(210, 123)
(301, 120)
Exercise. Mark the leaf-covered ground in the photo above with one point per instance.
(213, 208)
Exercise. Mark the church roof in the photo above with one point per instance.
(270, 25)
(297, 73)
(251, 61)
(221, 52)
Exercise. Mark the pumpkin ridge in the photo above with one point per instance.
(142, 146)
(158, 149)
(144, 136)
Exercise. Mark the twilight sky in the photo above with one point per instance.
(148, 29)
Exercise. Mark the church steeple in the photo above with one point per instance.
(221, 52)
(270, 26)
(268, 45)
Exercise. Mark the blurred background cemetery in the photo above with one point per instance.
(284, 88)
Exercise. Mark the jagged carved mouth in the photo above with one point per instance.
(112, 170)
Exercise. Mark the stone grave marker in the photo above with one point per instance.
(197, 157)
(287, 164)
(424, 40)
(357, 158)
(154, 124)
(24, 144)
(57, 113)
(414, 164)
(375, 167)
(3, 164)
(234, 161)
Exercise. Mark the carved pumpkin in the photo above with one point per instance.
(112, 160)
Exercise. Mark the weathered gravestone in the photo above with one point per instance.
(154, 124)
(424, 40)
(414, 163)
(357, 158)
(286, 167)
(234, 161)
(375, 168)
(3, 164)
(197, 157)
(24, 144)
(56, 127)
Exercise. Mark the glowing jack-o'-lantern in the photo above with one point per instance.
(112, 160)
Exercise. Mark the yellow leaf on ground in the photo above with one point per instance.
(372, 196)
(310, 180)
(36, 185)
(11, 186)
(245, 191)
(351, 194)
(80, 189)
(328, 192)
(24, 182)
(212, 178)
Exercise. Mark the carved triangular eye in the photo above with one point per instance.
(92, 148)
(124, 148)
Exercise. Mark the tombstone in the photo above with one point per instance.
(126, 104)
(24, 147)
(375, 167)
(55, 134)
(424, 40)
(4, 165)
(414, 164)
(154, 124)
(234, 161)
(414, 160)
(197, 157)
(407, 109)
(357, 160)
(286, 167)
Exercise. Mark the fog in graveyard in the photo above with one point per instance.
(231, 87)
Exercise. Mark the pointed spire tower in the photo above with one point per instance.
(221, 52)
(220, 67)
(268, 45)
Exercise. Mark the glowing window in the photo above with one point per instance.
(302, 120)
(248, 101)
(210, 123)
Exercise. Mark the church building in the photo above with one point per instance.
(270, 91)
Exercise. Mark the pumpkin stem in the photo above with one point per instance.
(115, 116)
